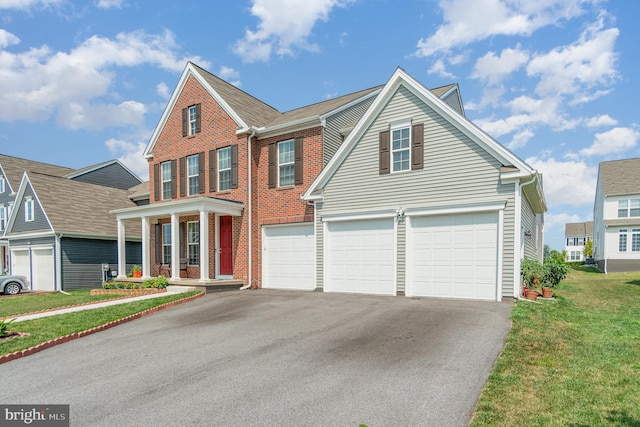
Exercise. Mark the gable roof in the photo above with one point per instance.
(76, 208)
(14, 168)
(620, 177)
(93, 168)
(520, 169)
(578, 229)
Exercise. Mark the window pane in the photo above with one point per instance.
(635, 207)
(635, 241)
(192, 172)
(192, 120)
(166, 243)
(166, 180)
(401, 160)
(622, 241)
(224, 169)
(285, 152)
(225, 180)
(193, 241)
(623, 208)
(286, 159)
(287, 175)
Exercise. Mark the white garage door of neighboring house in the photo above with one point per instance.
(360, 256)
(43, 269)
(453, 256)
(288, 257)
(20, 264)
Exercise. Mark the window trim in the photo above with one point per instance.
(625, 209)
(291, 164)
(29, 210)
(399, 126)
(192, 118)
(2, 185)
(635, 240)
(194, 245)
(3, 217)
(192, 176)
(164, 181)
(622, 236)
(226, 169)
(166, 233)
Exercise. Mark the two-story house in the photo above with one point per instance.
(55, 224)
(576, 235)
(616, 216)
(238, 190)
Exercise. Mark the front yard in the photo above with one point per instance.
(570, 362)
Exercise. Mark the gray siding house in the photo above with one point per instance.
(56, 227)
(419, 201)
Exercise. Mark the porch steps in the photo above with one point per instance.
(208, 287)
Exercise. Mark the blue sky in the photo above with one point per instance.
(556, 81)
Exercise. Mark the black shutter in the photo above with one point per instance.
(156, 182)
(183, 233)
(234, 166)
(185, 121)
(197, 118)
(272, 165)
(298, 160)
(158, 240)
(183, 177)
(417, 146)
(385, 159)
(212, 171)
(174, 172)
(200, 173)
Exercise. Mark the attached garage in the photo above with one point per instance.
(21, 263)
(37, 264)
(288, 257)
(360, 256)
(453, 256)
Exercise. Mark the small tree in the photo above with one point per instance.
(588, 249)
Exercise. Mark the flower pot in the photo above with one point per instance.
(137, 274)
(532, 295)
(547, 292)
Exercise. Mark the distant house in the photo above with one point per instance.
(576, 235)
(616, 216)
(55, 225)
(390, 190)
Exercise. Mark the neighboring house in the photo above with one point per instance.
(616, 216)
(55, 223)
(290, 200)
(576, 235)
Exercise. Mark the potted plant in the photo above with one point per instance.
(554, 271)
(532, 274)
(136, 271)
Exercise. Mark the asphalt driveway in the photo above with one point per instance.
(274, 358)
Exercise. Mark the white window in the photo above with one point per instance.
(28, 210)
(192, 120)
(574, 256)
(623, 208)
(166, 244)
(193, 242)
(400, 148)
(1, 184)
(286, 163)
(193, 173)
(628, 208)
(622, 240)
(224, 169)
(166, 180)
(635, 240)
(634, 207)
(3, 217)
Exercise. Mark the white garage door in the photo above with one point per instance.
(43, 269)
(360, 256)
(20, 263)
(453, 256)
(288, 257)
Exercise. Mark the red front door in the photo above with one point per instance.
(226, 246)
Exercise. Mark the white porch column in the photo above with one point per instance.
(122, 252)
(175, 247)
(146, 248)
(204, 246)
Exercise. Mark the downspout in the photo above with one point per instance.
(518, 235)
(250, 212)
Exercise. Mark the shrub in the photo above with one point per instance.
(554, 272)
(159, 282)
(532, 273)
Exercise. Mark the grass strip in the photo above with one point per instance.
(30, 303)
(50, 328)
(571, 362)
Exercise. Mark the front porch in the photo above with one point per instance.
(208, 286)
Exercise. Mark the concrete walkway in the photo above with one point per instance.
(174, 290)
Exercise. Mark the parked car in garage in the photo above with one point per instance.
(12, 285)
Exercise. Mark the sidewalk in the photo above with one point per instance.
(54, 312)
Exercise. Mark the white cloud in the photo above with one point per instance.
(552, 220)
(440, 69)
(163, 90)
(576, 69)
(230, 75)
(569, 182)
(616, 140)
(130, 154)
(520, 139)
(7, 39)
(284, 25)
(602, 120)
(38, 83)
(109, 4)
(492, 69)
(27, 4)
(468, 21)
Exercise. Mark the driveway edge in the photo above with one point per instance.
(61, 340)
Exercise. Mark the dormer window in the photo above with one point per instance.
(191, 120)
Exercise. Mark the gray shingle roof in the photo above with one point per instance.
(14, 168)
(82, 208)
(578, 229)
(620, 176)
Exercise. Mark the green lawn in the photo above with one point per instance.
(571, 362)
(28, 303)
(48, 328)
